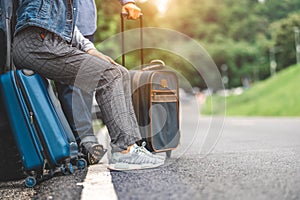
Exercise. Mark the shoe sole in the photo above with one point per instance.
(128, 167)
(96, 155)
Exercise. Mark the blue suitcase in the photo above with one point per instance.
(43, 136)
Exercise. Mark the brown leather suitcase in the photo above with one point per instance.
(156, 102)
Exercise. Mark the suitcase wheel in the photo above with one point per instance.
(64, 170)
(67, 169)
(70, 168)
(168, 153)
(30, 181)
(81, 163)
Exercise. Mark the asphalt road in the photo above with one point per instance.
(255, 158)
(218, 158)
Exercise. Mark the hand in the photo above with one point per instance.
(132, 10)
(100, 55)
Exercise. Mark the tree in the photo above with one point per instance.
(284, 40)
(275, 10)
(235, 33)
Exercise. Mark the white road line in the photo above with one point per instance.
(98, 182)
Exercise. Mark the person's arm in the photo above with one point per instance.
(80, 42)
(128, 6)
(100, 55)
(83, 44)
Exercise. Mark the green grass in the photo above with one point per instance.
(276, 96)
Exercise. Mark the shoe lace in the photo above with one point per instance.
(143, 149)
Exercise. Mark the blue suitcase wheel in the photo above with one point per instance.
(64, 170)
(81, 163)
(70, 168)
(67, 169)
(30, 182)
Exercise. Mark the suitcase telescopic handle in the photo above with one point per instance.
(123, 16)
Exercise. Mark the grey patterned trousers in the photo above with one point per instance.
(53, 58)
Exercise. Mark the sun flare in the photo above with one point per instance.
(161, 5)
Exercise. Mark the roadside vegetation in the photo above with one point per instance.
(243, 37)
(276, 96)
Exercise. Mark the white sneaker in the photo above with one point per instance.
(143, 148)
(136, 158)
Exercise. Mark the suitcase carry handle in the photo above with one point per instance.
(154, 65)
(123, 15)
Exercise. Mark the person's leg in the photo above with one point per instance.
(53, 58)
(117, 110)
(77, 107)
(118, 114)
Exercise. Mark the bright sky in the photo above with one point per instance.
(160, 4)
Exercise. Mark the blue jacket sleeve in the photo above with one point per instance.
(123, 2)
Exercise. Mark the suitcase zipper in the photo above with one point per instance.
(31, 117)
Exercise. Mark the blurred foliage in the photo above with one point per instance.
(238, 34)
(271, 97)
(284, 39)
